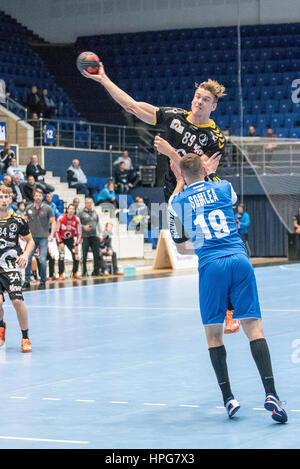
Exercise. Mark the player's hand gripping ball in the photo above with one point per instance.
(88, 61)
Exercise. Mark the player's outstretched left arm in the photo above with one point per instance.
(141, 110)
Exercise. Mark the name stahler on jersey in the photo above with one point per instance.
(11, 228)
(187, 137)
(206, 213)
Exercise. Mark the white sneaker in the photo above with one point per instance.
(232, 406)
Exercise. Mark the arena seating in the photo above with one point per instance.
(161, 67)
(21, 68)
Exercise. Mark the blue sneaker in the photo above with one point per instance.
(275, 406)
(232, 406)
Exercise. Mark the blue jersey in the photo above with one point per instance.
(206, 213)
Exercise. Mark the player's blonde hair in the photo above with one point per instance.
(191, 165)
(214, 87)
(5, 190)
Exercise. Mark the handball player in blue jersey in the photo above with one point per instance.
(204, 211)
(186, 131)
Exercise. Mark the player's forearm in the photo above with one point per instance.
(29, 246)
(141, 110)
(117, 94)
(179, 187)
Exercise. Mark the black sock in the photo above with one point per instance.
(261, 355)
(218, 360)
(25, 334)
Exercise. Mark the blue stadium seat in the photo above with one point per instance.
(295, 133)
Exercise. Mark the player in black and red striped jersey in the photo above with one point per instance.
(68, 233)
(186, 131)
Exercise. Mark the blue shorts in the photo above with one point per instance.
(231, 277)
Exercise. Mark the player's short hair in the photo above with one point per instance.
(191, 165)
(214, 87)
(5, 190)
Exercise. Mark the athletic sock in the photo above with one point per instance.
(261, 355)
(218, 360)
(25, 334)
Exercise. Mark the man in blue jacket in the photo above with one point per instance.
(242, 219)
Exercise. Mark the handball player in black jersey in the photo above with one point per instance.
(186, 131)
(12, 260)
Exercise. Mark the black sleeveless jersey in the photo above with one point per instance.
(186, 137)
(11, 227)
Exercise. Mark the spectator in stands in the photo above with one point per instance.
(33, 102)
(76, 203)
(13, 169)
(5, 157)
(106, 248)
(40, 216)
(29, 188)
(7, 181)
(252, 131)
(242, 219)
(17, 188)
(37, 129)
(125, 158)
(21, 207)
(34, 169)
(49, 201)
(77, 179)
(270, 146)
(47, 105)
(141, 217)
(91, 238)
(106, 195)
(123, 185)
(296, 220)
(132, 174)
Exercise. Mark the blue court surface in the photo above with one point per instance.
(125, 365)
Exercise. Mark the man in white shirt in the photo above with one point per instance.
(12, 170)
(77, 179)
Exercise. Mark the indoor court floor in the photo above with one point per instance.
(125, 364)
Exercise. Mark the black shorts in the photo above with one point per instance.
(11, 282)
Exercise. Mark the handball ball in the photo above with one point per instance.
(88, 61)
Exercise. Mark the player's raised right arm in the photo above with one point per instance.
(141, 110)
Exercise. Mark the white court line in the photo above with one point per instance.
(154, 404)
(188, 405)
(118, 402)
(43, 439)
(51, 399)
(84, 400)
(122, 308)
(281, 310)
(283, 267)
(122, 282)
